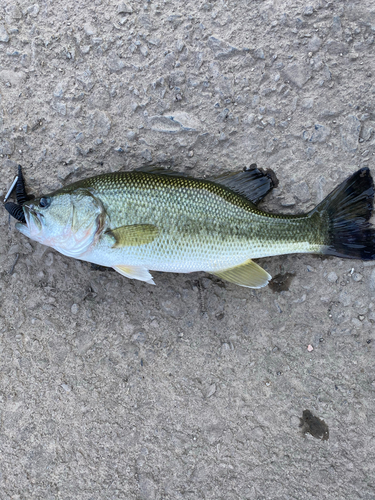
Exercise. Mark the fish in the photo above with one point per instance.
(159, 220)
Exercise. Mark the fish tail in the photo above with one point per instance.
(347, 211)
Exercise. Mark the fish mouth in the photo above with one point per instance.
(33, 222)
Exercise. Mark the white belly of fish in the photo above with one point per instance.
(186, 258)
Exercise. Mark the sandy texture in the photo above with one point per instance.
(193, 389)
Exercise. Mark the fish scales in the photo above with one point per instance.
(202, 224)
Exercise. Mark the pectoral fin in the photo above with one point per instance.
(247, 274)
(137, 234)
(135, 272)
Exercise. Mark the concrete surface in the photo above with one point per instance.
(193, 389)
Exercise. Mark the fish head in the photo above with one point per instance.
(68, 222)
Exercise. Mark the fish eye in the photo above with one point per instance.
(44, 202)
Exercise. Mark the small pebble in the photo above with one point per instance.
(310, 348)
(211, 390)
(294, 421)
(144, 50)
(33, 10)
(74, 309)
(356, 322)
(320, 134)
(357, 277)
(122, 8)
(301, 192)
(372, 280)
(350, 133)
(89, 29)
(131, 135)
(48, 261)
(4, 37)
(139, 337)
(332, 277)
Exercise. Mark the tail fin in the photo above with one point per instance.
(349, 209)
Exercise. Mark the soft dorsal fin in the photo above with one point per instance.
(253, 184)
(247, 274)
(134, 235)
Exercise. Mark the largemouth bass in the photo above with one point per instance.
(163, 221)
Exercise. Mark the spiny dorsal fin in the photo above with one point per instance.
(135, 272)
(253, 184)
(247, 274)
(134, 235)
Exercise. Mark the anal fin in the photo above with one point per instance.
(247, 274)
(135, 272)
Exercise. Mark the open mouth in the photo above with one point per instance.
(29, 221)
(32, 217)
(31, 225)
(25, 214)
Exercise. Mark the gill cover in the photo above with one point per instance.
(86, 224)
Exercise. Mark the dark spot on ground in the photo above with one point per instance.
(281, 282)
(271, 174)
(314, 426)
(96, 267)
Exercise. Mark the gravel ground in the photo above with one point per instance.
(193, 389)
